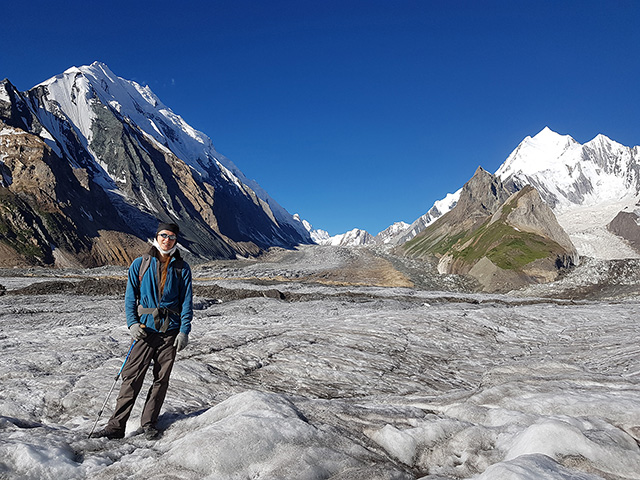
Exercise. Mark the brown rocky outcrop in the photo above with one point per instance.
(625, 225)
(480, 197)
(526, 211)
(47, 210)
(504, 241)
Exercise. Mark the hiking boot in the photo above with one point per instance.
(110, 434)
(151, 433)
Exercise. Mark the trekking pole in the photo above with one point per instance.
(112, 387)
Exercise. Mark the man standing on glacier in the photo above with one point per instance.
(159, 309)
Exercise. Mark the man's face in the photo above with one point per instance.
(167, 239)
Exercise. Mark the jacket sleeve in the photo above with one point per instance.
(186, 314)
(132, 293)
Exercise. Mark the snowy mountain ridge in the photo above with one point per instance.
(142, 108)
(387, 235)
(317, 235)
(568, 174)
(575, 180)
(137, 104)
(353, 238)
(357, 236)
(94, 161)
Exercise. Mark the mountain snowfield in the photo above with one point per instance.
(586, 186)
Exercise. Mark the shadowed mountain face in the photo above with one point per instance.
(503, 241)
(89, 164)
(627, 226)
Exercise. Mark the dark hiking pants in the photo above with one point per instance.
(159, 348)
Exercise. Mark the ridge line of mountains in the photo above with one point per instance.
(90, 162)
(594, 186)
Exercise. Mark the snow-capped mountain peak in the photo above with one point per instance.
(320, 237)
(356, 237)
(96, 87)
(567, 173)
(541, 152)
(121, 140)
(136, 103)
(586, 185)
(391, 232)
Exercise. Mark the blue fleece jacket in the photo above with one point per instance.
(177, 295)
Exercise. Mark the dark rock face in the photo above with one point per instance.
(13, 110)
(480, 196)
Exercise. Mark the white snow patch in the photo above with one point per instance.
(282, 441)
(6, 130)
(4, 95)
(148, 202)
(543, 152)
(533, 467)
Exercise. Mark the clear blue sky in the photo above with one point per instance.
(354, 113)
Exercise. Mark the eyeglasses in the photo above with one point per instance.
(166, 235)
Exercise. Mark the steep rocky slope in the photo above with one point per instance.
(503, 241)
(87, 152)
(52, 214)
(480, 197)
(626, 225)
